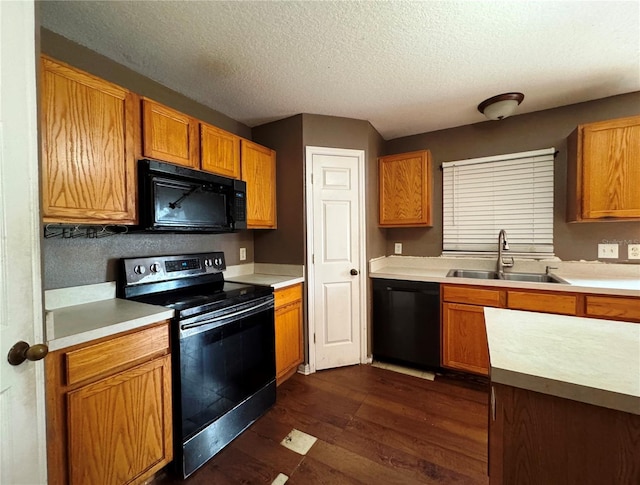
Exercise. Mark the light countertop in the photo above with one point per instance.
(81, 323)
(83, 313)
(275, 281)
(583, 359)
(80, 314)
(275, 275)
(621, 280)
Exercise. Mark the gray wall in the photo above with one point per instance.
(72, 262)
(532, 131)
(75, 262)
(286, 244)
(80, 261)
(290, 137)
(336, 132)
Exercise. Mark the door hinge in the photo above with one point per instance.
(314, 338)
(311, 179)
(313, 259)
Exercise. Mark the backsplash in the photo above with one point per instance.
(86, 261)
(619, 250)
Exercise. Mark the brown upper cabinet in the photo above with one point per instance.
(219, 151)
(89, 142)
(93, 133)
(405, 189)
(259, 172)
(604, 171)
(169, 135)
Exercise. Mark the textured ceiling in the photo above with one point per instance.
(407, 67)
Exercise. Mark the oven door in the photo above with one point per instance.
(226, 365)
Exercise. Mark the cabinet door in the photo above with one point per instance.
(90, 131)
(608, 165)
(464, 338)
(219, 151)
(405, 189)
(120, 427)
(545, 302)
(259, 172)
(613, 308)
(169, 135)
(288, 323)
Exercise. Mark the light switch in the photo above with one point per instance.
(243, 254)
(397, 248)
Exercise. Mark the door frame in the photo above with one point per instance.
(21, 320)
(310, 266)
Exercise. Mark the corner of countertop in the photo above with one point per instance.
(78, 295)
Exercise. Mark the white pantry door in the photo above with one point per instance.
(335, 245)
(22, 415)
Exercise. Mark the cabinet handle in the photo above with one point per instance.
(493, 403)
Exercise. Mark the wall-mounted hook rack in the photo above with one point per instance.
(88, 231)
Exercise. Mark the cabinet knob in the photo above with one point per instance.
(23, 351)
(354, 272)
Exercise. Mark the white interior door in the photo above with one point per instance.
(22, 415)
(335, 216)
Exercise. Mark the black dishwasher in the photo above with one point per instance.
(406, 322)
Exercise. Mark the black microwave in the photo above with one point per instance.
(178, 199)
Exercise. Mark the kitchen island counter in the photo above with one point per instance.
(565, 399)
(583, 359)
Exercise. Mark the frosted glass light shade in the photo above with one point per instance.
(501, 106)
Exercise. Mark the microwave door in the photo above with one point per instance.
(188, 206)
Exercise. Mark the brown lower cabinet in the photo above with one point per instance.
(464, 336)
(288, 328)
(109, 409)
(538, 439)
(465, 345)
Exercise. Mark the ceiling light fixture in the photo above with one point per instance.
(500, 106)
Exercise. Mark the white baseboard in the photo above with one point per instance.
(304, 369)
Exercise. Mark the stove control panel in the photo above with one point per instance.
(166, 268)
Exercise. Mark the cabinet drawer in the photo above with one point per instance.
(472, 296)
(99, 359)
(542, 302)
(612, 307)
(287, 295)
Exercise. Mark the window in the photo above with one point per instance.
(513, 192)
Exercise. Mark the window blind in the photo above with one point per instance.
(513, 192)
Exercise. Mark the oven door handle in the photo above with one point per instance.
(228, 316)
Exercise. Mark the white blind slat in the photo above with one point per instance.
(512, 192)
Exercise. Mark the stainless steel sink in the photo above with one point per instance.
(473, 273)
(509, 276)
(534, 277)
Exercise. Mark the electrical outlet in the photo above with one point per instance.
(243, 254)
(397, 248)
(607, 251)
(633, 251)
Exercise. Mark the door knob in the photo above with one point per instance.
(354, 272)
(23, 351)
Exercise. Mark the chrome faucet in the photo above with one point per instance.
(503, 245)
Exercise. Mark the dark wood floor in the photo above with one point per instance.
(373, 426)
